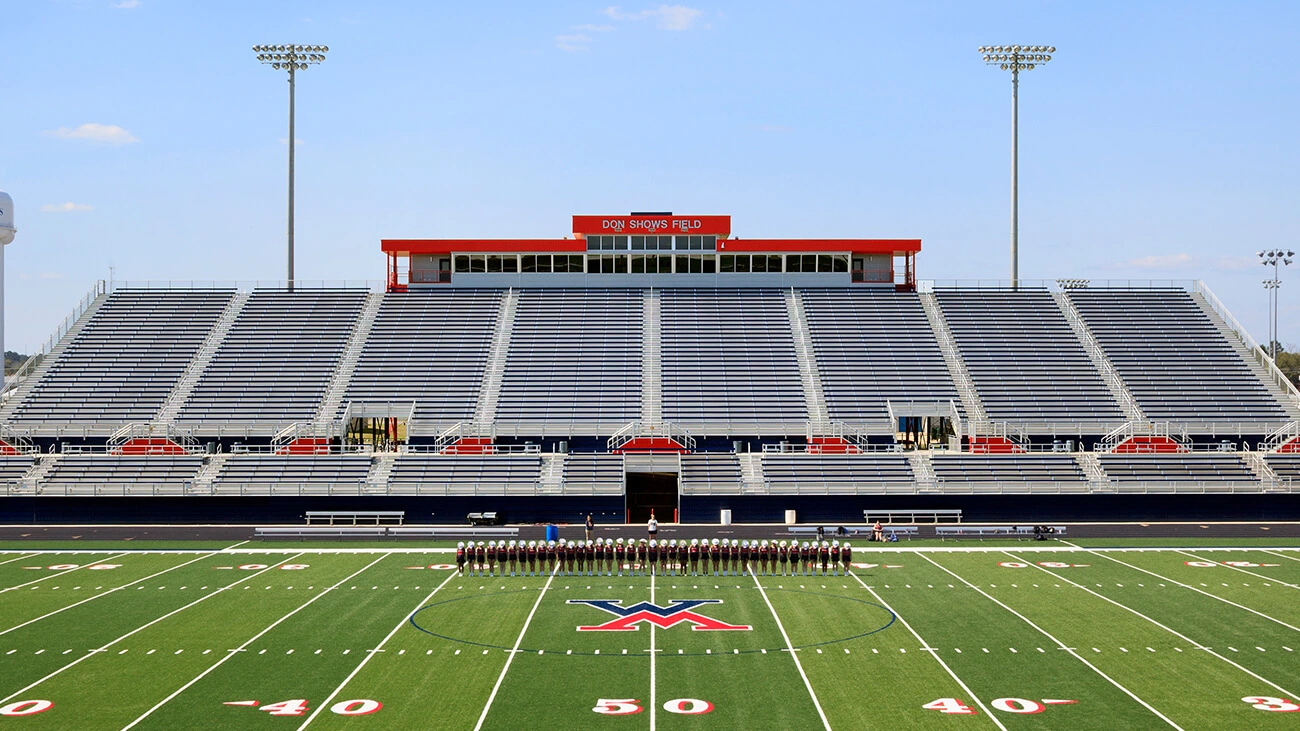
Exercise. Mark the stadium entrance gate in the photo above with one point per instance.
(651, 490)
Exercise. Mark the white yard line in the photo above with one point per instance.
(653, 707)
(1199, 591)
(450, 575)
(519, 640)
(61, 573)
(789, 646)
(104, 594)
(142, 627)
(237, 545)
(17, 558)
(1164, 627)
(933, 653)
(1059, 644)
(251, 640)
(1244, 571)
(1271, 553)
(950, 548)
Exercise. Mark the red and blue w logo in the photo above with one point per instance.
(678, 611)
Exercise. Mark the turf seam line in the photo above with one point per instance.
(250, 641)
(141, 628)
(61, 573)
(103, 594)
(790, 646)
(1199, 591)
(1164, 627)
(935, 655)
(1059, 644)
(405, 618)
(1244, 571)
(510, 658)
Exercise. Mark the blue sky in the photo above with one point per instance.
(1160, 143)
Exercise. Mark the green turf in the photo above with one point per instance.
(163, 640)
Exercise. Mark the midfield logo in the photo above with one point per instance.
(679, 610)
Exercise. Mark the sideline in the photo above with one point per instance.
(1069, 548)
(933, 653)
(103, 648)
(1059, 644)
(251, 640)
(1167, 628)
(789, 646)
(450, 575)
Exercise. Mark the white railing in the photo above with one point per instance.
(1280, 436)
(952, 357)
(493, 449)
(1174, 432)
(788, 448)
(1100, 360)
(1260, 355)
(36, 357)
(642, 430)
(374, 285)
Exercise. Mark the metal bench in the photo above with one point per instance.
(996, 531)
(911, 516)
(828, 531)
(306, 532)
(355, 517)
(457, 531)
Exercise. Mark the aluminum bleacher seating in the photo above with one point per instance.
(466, 474)
(13, 468)
(126, 359)
(574, 359)
(264, 472)
(429, 348)
(1176, 363)
(729, 363)
(874, 346)
(1184, 467)
(115, 474)
(593, 474)
(812, 474)
(277, 360)
(710, 474)
(1285, 466)
(1006, 468)
(1025, 360)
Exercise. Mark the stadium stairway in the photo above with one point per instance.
(970, 398)
(24, 388)
(552, 474)
(751, 473)
(207, 474)
(489, 393)
(923, 470)
(180, 393)
(1238, 344)
(381, 470)
(1259, 467)
(332, 404)
(41, 469)
(1109, 376)
(652, 367)
(1091, 467)
(813, 394)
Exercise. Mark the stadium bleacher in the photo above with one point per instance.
(1006, 468)
(276, 361)
(593, 474)
(1187, 467)
(1024, 359)
(814, 474)
(1176, 363)
(432, 474)
(729, 363)
(710, 474)
(262, 473)
(574, 362)
(1285, 466)
(430, 349)
(125, 361)
(874, 346)
(76, 474)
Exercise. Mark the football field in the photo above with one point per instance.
(959, 636)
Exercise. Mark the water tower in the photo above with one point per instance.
(7, 232)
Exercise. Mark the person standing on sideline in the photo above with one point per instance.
(591, 527)
(652, 527)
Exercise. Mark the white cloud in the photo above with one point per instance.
(666, 17)
(576, 42)
(1235, 263)
(127, 4)
(109, 134)
(68, 207)
(51, 275)
(592, 28)
(1162, 261)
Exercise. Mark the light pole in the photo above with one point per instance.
(1276, 258)
(292, 59)
(7, 232)
(1016, 59)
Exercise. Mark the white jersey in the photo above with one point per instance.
(652, 526)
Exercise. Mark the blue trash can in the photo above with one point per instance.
(552, 533)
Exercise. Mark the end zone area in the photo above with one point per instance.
(924, 637)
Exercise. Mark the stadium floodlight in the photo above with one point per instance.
(1276, 258)
(292, 59)
(1016, 59)
(1073, 283)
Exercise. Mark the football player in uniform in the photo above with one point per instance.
(502, 556)
(782, 557)
(846, 556)
(835, 558)
(552, 557)
(746, 553)
(460, 558)
(713, 557)
(824, 555)
(692, 557)
(589, 555)
(800, 555)
(480, 558)
(724, 555)
(765, 557)
(530, 554)
(652, 557)
(607, 556)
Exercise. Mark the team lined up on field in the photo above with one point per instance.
(603, 556)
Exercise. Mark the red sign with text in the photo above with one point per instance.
(652, 224)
